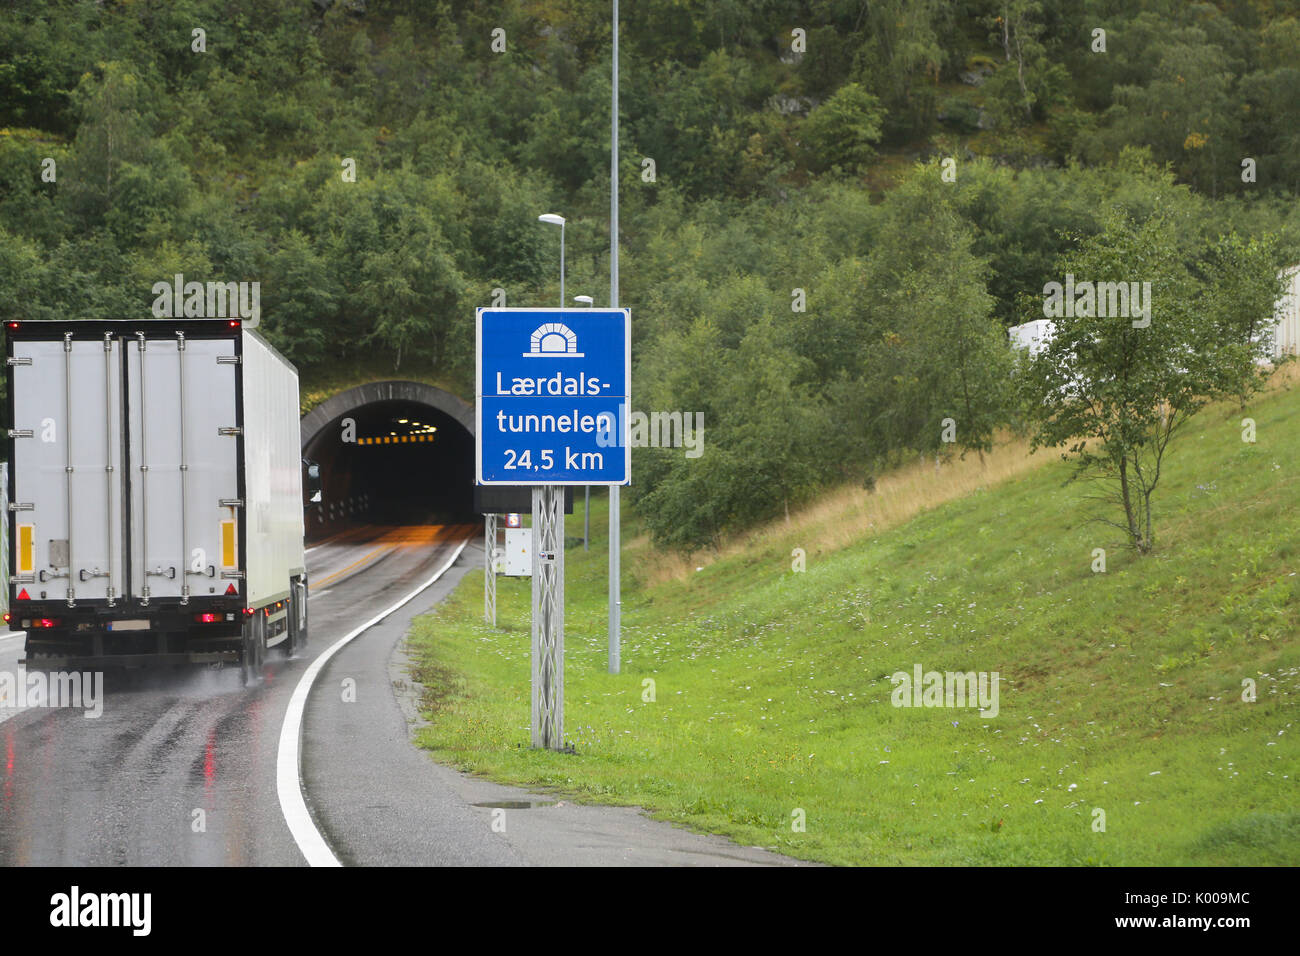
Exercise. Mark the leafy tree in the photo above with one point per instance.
(301, 296)
(843, 131)
(933, 350)
(1114, 395)
(900, 61)
(1244, 283)
(1186, 111)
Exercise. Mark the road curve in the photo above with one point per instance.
(181, 768)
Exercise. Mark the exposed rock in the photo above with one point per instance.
(791, 105)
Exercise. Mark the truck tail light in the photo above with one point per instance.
(8, 617)
(46, 622)
(207, 617)
(234, 323)
(248, 612)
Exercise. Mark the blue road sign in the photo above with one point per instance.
(552, 388)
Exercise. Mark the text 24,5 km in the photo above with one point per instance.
(581, 460)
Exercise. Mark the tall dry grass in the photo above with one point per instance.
(845, 515)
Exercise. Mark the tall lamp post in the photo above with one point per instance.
(586, 489)
(555, 220)
(615, 610)
(548, 593)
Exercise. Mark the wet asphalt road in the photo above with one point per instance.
(180, 769)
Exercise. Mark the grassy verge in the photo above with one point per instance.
(1120, 692)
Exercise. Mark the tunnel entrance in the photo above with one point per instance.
(397, 453)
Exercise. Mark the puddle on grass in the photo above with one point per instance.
(515, 804)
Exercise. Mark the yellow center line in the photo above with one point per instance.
(411, 535)
(336, 574)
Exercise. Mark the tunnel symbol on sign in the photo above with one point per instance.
(553, 340)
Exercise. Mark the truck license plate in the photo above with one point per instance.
(133, 625)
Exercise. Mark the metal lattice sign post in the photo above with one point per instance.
(548, 617)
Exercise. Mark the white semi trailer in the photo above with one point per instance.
(156, 508)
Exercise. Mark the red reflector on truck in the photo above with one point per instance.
(23, 595)
(230, 589)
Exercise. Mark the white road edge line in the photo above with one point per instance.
(288, 781)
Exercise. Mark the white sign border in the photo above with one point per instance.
(478, 398)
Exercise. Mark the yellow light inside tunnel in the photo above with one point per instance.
(395, 439)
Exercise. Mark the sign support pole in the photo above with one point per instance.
(489, 569)
(548, 617)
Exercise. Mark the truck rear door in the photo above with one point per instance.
(184, 469)
(67, 468)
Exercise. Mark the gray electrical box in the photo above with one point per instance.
(518, 556)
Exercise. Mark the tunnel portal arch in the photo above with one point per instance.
(336, 407)
(412, 461)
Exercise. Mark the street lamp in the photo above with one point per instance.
(555, 220)
(586, 489)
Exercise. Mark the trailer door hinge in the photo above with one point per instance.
(231, 502)
(20, 433)
(227, 359)
(21, 506)
(230, 430)
(19, 360)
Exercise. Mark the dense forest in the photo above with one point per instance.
(831, 210)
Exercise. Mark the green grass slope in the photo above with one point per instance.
(1120, 692)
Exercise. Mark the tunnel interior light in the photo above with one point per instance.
(402, 421)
